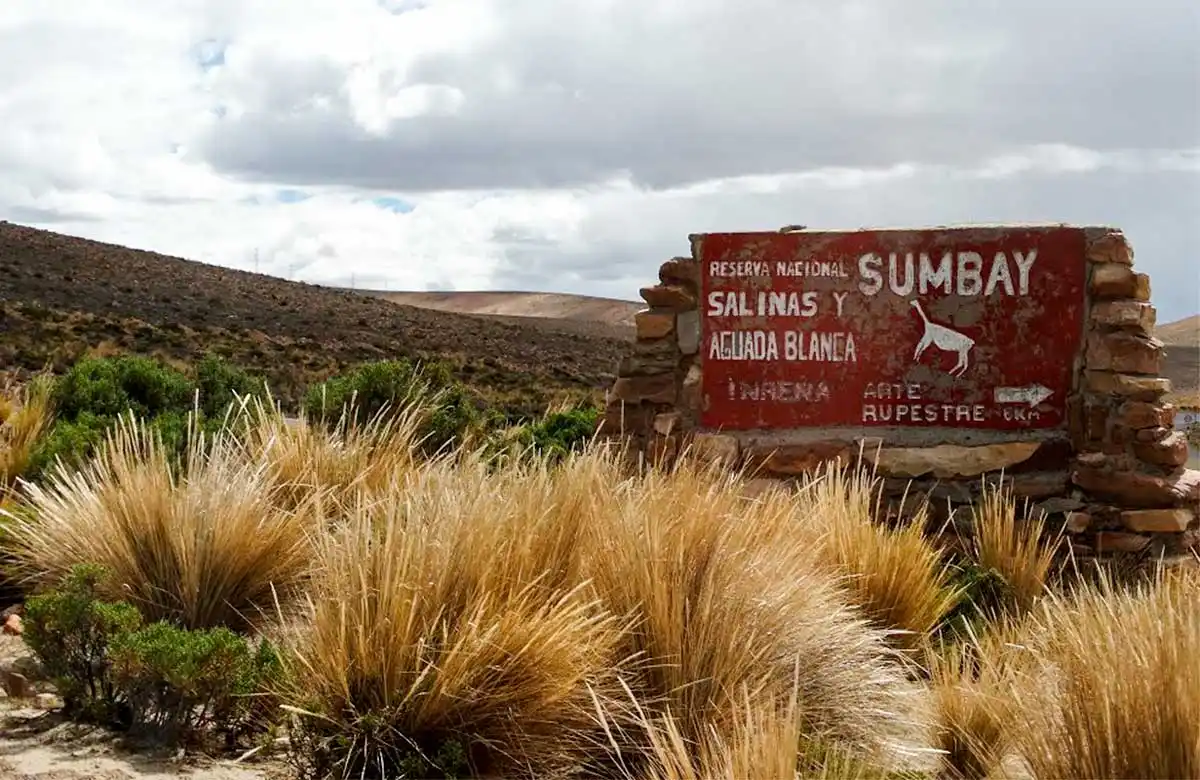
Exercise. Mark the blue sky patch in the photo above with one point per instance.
(291, 196)
(394, 204)
(211, 53)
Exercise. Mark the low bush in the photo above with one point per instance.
(69, 629)
(110, 387)
(162, 682)
(450, 413)
(96, 392)
(894, 574)
(446, 636)
(26, 414)
(181, 686)
(559, 433)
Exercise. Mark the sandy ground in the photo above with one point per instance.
(37, 744)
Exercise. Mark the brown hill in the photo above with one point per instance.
(1181, 333)
(63, 296)
(1182, 363)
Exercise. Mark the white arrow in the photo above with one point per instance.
(1032, 395)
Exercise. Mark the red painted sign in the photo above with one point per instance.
(939, 328)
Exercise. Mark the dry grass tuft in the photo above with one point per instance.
(306, 460)
(894, 574)
(26, 414)
(766, 742)
(728, 605)
(530, 620)
(447, 632)
(971, 683)
(1015, 551)
(205, 547)
(1110, 687)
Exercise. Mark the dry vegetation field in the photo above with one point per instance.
(357, 607)
(334, 598)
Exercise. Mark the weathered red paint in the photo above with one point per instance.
(1020, 341)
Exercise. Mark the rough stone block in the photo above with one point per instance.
(667, 423)
(1035, 485)
(1149, 435)
(627, 418)
(1157, 520)
(650, 389)
(1132, 315)
(1059, 505)
(1078, 522)
(1125, 353)
(1143, 388)
(1107, 245)
(795, 459)
(692, 393)
(680, 270)
(646, 365)
(687, 330)
(716, 448)
(1139, 414)
(947, 461)
(653, 324)
(669, 296)
(1141, 491)
(1117, 541)
(1170, 450)
(1051, 455)
(1114, 280)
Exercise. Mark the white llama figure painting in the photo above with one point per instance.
(945, 339)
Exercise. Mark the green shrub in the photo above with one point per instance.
(561, 433)
(109, 387)
(161, 681)
(69, 631)
(219, 381)
(72, 441)
(182, 685)
(90, 397)
(371, 388)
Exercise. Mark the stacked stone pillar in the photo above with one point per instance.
(1130, 462)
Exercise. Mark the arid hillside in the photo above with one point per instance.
(62, 296)
(1182, 365)
(1181, 333)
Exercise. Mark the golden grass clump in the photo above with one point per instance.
(446, 632)
(1110, 686)
(205, 547)
(26, 414)
(728, 605)
(1016, 551)
(525, 620)
(766, 742)
(894, 574)
(305, 459)
(970, 684)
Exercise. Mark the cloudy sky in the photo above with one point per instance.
(571, 145)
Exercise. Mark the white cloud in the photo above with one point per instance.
(573, 146)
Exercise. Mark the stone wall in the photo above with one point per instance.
(1113, 477)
